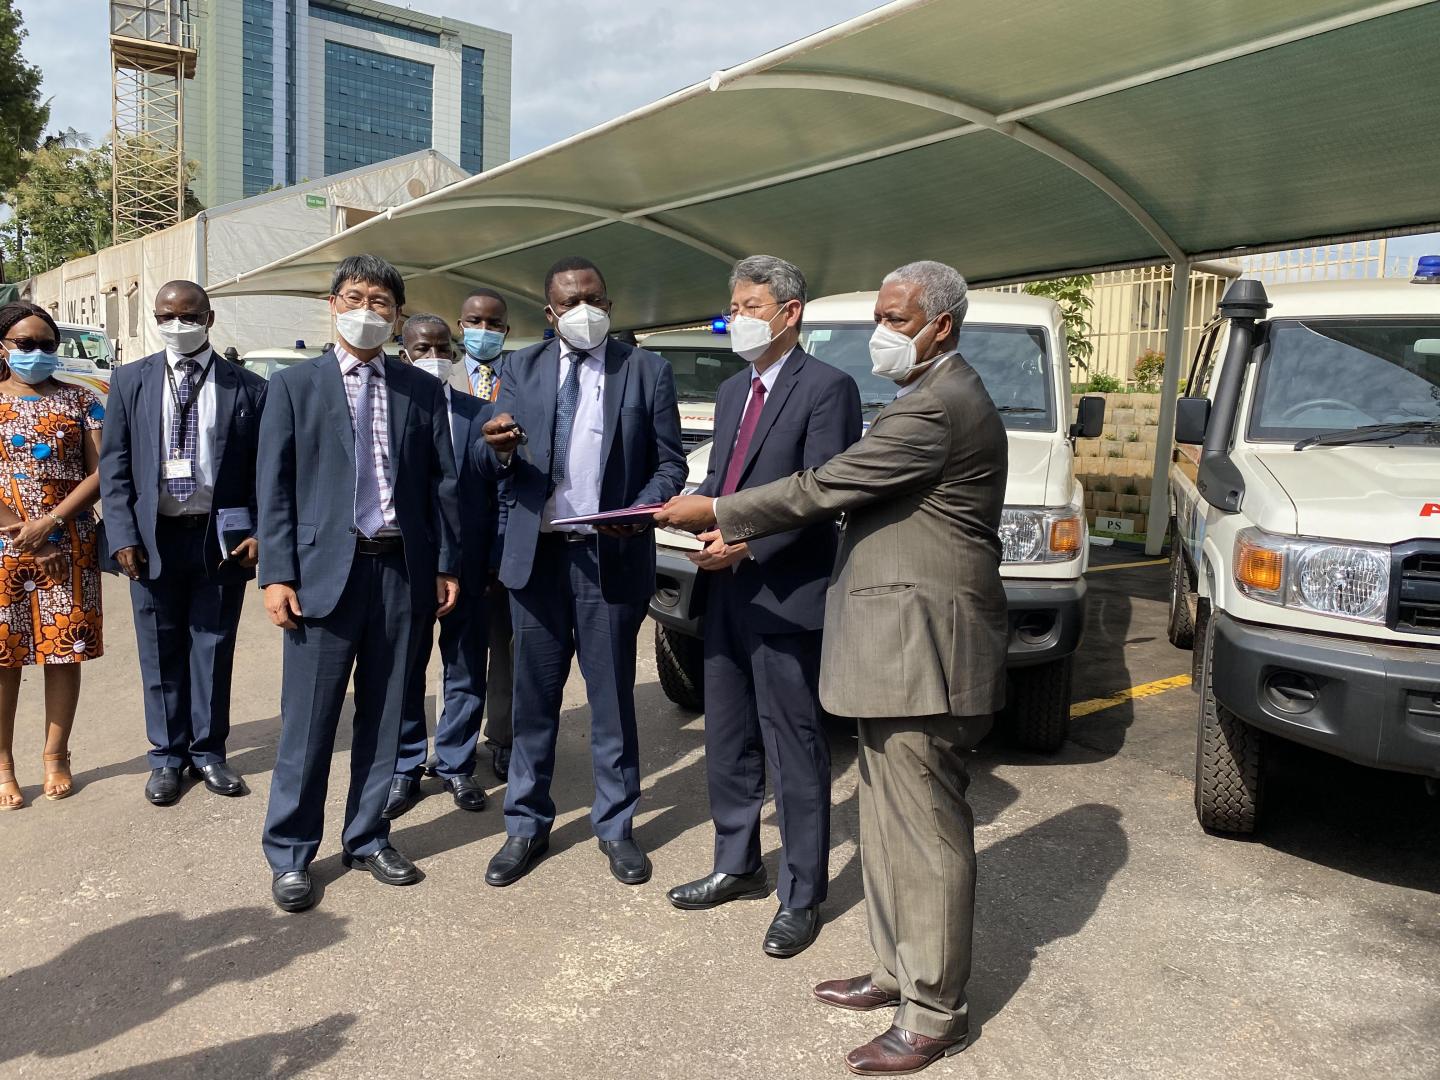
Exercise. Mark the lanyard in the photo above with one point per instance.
(183, 411)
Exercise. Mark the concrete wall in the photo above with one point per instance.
(1116, 469)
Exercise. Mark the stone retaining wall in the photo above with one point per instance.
(1116, 468)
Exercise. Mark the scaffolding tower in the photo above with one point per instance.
(152, 54)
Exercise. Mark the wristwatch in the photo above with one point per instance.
(59, 521)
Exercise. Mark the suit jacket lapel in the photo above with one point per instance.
(227, 383)
(616, 372)
(774, 402)
(727, 425)
(151, 412)
(459, 426)
(397, 388)
(330, 387)
(544, 376)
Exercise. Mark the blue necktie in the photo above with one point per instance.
(565, 420)
(183, 436)
(368, 517)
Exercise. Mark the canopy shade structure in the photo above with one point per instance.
(1015, 141)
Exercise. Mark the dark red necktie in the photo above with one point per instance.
(748, 423)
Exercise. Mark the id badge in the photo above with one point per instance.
(177, 469)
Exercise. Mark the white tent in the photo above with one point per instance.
(1015, 140)
(115, 287)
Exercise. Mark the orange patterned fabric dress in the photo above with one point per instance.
(42, 459)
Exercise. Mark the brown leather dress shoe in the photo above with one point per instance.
(898, 1052)
(858, 994)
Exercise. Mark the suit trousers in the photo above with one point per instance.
(462, 692)
(762, 714)
(371, 632)
(561, 614)
(917, 850)
(499, 723)
(185, 623)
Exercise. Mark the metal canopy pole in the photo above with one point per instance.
(1165, 437)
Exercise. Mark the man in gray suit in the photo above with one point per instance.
(914, 649)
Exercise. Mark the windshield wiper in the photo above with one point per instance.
(1369, 433)
(1018, 408)
(875, 404)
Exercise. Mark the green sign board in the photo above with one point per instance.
(315, 202)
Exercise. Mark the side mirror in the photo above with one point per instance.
(1089, 418)
(1192, 418)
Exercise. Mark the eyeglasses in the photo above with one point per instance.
(377, 304)
(750, 310)
(32, 345)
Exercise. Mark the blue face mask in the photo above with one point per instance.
(32, 367)
(483, 344)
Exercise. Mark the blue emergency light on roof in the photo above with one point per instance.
(718, 325)
(1427, 270)
(549, 333)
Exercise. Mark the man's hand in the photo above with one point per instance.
(718, 555)
(502, 434)
(282, 605)
(447, 593)
(693, 513)
(246, 553)
(132, 560)
(52, 562)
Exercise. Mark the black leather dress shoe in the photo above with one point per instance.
(220, 778)
(514, 859)
(500, 762)
(293, 890)
(386, 866)
(404, 794)
(629, 864)
(466, 791)
(716, 889)
(791, 931)
(163, 787)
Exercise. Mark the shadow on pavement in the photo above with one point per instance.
(1378, 825)
(148, 965)
(1035, 888)
(277, 1056)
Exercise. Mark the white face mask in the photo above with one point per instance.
(183, 337)
(892, 354)
(363, 329)
(583, 326)
(750, 337)
(434, 365)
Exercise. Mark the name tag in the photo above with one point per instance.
(177, 469)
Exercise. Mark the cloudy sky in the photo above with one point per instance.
(569, 73)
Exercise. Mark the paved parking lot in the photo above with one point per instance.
(1114, 939)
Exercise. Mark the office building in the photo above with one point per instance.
(294, 90)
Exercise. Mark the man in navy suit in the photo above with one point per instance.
(427, 345)
(601, 431)
(358, 550)
(484, 324)
(764, 608)
(179, 444)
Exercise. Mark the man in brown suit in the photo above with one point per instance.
(914, 649)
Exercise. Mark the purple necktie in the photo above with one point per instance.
(748, 423)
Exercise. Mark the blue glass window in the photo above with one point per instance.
(472, 109)
(376, 106)
(257, 73)
(371, 23)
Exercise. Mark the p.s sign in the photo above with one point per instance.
(1430, 510)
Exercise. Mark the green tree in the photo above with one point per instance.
(61, 209)
(22, 114)
(1073, 296)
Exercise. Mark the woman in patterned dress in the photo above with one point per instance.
(49, 569)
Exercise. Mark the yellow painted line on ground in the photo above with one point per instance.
(1128, 565)
(1144, 690)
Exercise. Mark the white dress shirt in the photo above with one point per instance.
(578, 493)
(380, 423)
(767, 380)
(204, 409)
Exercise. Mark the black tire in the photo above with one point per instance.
(1197, 653)
(681, 661)
(1038, 712)
(1181, 627)
(1229, 769)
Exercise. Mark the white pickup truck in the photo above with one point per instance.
(1305, 493)
(1017, 344)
